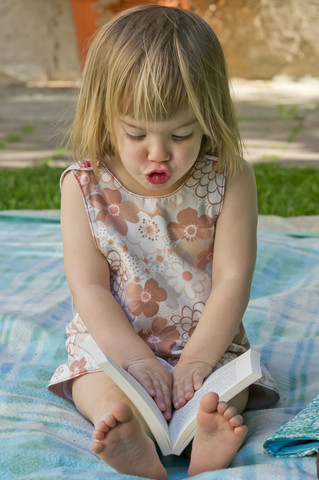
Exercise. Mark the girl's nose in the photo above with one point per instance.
(158, 153)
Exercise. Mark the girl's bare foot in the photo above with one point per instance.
(220, 432)
(120, 441)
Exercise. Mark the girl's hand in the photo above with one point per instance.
(187, 378)
(156, 380)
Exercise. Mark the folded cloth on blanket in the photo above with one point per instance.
(298, 437)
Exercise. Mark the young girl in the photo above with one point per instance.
(159, 232)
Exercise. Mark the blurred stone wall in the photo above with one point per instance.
(261, 38)
(37, 41)
(264, 38)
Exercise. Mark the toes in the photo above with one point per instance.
(97, 435)
(96, 447)
(236, 421)
(241, 431)
(222, 407)
(122, 412)
(209, 402)
(110, 420)
(229, 413)
(105, 425)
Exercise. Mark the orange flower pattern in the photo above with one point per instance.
(112, 211)
(190, 226)
(78, 366)
(205, 257)
(187, 320)
(161, 337)
(145, 299)
(160, 253)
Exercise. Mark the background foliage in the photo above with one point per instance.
(281, 191)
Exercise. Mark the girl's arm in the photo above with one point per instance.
(233, 266)
(88, 276)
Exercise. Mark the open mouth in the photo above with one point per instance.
(158, 177)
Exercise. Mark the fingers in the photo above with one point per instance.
(163, 397)
(187, 380)
(183, 391)
(158, 385)
(198, 379)
(146, 380)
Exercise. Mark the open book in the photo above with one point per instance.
(172, 438)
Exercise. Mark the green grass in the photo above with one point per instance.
(286, 114)
(281, 191)
(287, 191)
(35, 188)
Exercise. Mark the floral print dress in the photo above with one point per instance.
(160, 252)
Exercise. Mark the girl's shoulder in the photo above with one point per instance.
(241, 190)
(243, 173)
(77, 168)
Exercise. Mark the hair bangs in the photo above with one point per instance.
(152, 93)
(147, 82)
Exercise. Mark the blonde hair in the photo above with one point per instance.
(150, 62)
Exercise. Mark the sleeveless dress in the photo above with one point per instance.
(160, 253)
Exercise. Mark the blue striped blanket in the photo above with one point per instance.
(44, 437)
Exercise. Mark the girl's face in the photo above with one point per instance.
(154, 158)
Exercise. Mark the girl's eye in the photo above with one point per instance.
(136, 137)
(180, 138)
(176, 138)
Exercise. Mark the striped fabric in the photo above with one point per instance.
(44, 437)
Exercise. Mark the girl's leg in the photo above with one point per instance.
(219, 435)
(120, 436)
